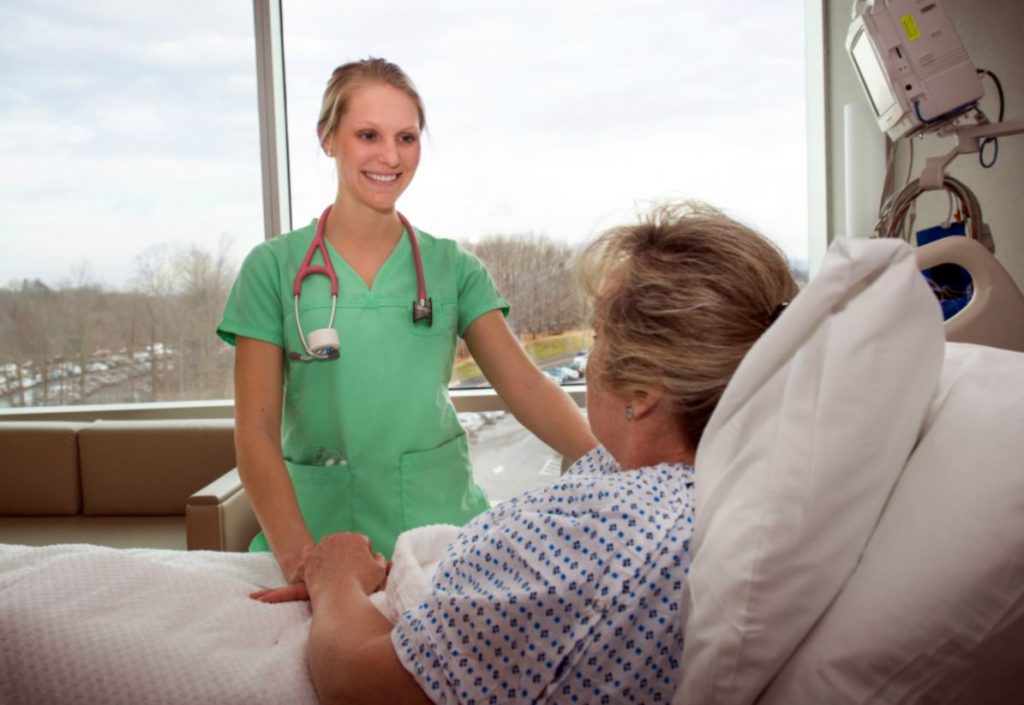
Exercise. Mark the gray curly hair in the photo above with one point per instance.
(679, 298)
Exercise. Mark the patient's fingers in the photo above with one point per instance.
(288, 593)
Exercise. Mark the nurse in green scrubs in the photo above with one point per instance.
(370, 442)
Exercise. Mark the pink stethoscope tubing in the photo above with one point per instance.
(422, 307)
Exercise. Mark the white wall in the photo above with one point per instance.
(991, 32)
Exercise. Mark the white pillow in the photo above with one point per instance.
(935, 610)
(798, 460)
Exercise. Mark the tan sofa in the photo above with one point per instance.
(219, 516)
(127, 484)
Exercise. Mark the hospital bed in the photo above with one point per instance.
(860, 536)
(860, 495)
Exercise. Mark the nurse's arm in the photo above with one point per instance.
(535, 400)
(259, 386)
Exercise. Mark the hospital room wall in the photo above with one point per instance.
(990, 30)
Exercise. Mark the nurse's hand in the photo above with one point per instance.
(295, 590)
(293, 566)
(288, 593)
(341, 558)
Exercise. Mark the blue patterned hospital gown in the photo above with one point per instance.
(566, 594)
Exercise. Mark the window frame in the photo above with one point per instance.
(272, 100)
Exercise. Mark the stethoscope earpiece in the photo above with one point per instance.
(323, 344)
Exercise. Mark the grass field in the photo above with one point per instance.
(540, 348)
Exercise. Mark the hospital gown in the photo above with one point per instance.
(566, 594)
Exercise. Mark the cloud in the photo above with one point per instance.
(551, 117)
(126, 124)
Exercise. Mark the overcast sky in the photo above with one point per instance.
(125, 125)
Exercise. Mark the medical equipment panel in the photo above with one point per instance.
(911, 63)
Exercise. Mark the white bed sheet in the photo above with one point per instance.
(87, 624)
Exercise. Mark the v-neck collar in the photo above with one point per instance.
(341, 264)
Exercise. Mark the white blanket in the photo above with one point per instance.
(86, 624)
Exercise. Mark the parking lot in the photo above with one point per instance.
(507, 459)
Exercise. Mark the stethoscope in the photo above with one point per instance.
(323, 344)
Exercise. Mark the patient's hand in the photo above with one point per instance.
(338, 557)
(344, 557)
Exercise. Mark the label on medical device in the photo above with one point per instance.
(910, 27)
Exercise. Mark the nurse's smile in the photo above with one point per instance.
(381, 178)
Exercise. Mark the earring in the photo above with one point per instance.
(629, 412)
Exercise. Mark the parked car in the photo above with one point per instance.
(562, 374)
(471, 421)
(579, 363)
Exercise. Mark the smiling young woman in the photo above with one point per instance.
(365, 439)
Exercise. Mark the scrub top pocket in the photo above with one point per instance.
(325, 497)
(437, 486)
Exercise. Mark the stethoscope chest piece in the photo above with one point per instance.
(321, 344)
(324, 343)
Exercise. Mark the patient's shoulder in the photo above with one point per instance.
(596, 482)
(595, 461)
(586, 522)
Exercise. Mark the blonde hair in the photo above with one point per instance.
(679, 298)
(347, 78)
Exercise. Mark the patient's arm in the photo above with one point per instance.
(351, 657)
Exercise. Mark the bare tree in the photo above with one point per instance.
(205, 280)
(32, 343)
(533, 273)
(52, 339)
(78, 310)
(156, 281)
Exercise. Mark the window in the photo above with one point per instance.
(546, 125)
(548, 122)
(131, 190)
(132, 181)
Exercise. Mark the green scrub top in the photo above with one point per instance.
(371, 440)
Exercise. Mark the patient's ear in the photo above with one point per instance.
(644, 402)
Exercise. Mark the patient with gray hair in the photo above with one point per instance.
(572, 592)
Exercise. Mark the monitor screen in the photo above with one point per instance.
(872, 75)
